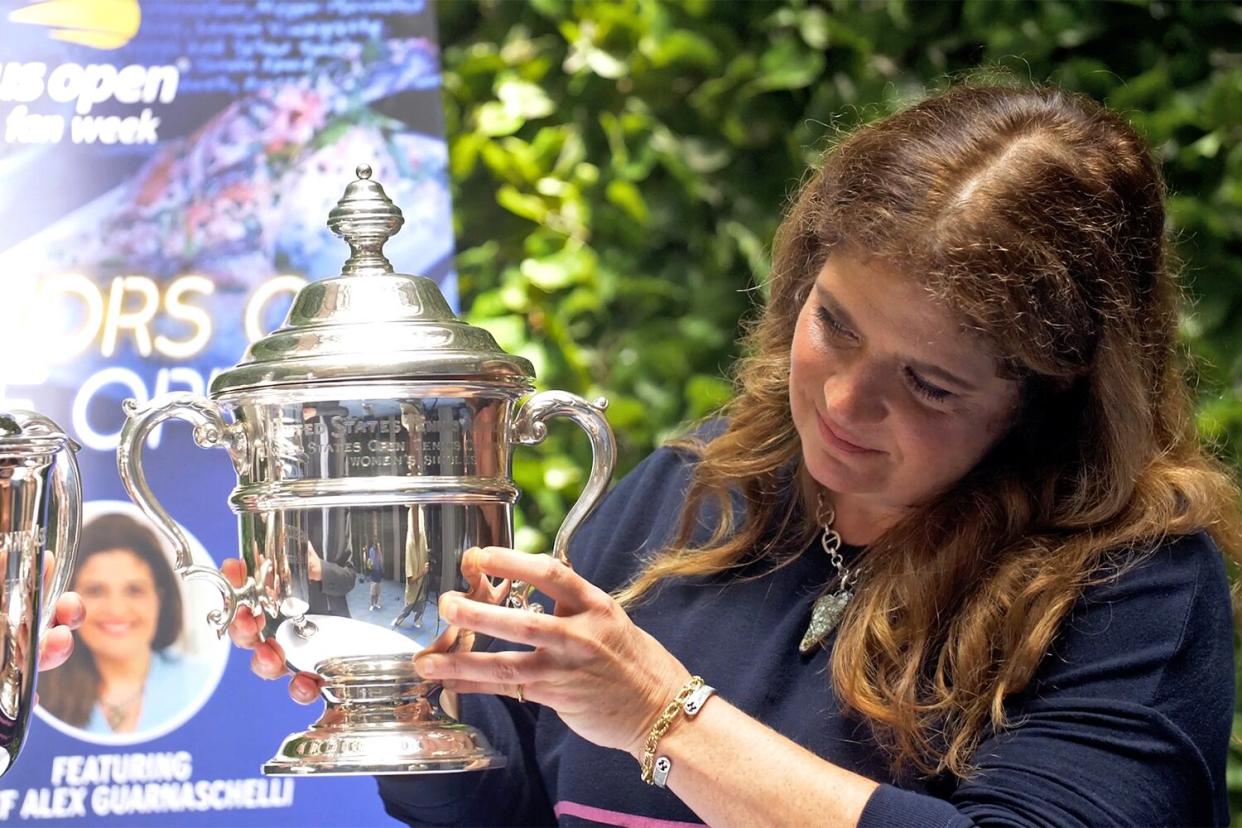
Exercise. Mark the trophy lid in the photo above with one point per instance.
(27, 433)
(371, 324)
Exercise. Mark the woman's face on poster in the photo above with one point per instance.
(122, 604)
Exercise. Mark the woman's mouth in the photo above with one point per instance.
(835, 438)
(114, 628)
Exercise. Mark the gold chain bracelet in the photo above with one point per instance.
(663, 723)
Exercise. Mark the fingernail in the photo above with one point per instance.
(425, 666)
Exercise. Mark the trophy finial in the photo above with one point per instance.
(365, 218)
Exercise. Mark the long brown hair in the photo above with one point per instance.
(1037, 216)
(71, 690)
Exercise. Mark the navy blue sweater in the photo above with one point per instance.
(1127, 722)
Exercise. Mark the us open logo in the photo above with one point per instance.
(98, 24)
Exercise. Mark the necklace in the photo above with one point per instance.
(830, 606)
(115, 713)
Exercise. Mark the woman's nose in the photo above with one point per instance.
(106, 605)
(855, 393)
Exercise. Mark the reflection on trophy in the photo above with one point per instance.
(40, 517)
(371, 435)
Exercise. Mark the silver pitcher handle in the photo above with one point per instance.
(530, 428)
(67, 497)
(210, 431)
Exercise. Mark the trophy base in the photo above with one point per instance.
(379, 719)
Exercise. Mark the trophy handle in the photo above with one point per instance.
(210, 431)
(530, 428)
(67, 496)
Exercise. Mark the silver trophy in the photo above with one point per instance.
(371, 436)
(40, 520)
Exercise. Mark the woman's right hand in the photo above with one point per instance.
(268, 661)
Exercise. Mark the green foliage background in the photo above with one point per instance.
(619, 167)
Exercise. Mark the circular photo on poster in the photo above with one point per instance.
(144, 660)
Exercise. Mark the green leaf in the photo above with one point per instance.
(815, 27)
(560, 473)
(684, 47)
(556, 271)
(522, 204)
(788, 64)
(464, 153)
(494, 119)
(524, 100)
(626, 196)
(529, 539)
(509, 331)
(553, 9)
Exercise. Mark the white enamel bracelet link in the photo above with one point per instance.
(697, 699)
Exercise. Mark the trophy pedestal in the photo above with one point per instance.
(379, 719)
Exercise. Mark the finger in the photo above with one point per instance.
(481, 587)
(268, 660)
(444, 641)
(70, 611)
(507, 668)
(245, 629)
(304, 687)
(529, 693)
(553, 578)
(470, 569)
(453, 639)
(55, 648)
(235, 570)
(515, 625)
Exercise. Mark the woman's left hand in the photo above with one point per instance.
(57, 644)
(606, 678)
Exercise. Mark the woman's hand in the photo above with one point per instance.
(268, 660)
(606, 678)
(57, 644)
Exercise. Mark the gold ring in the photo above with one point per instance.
(521, 693)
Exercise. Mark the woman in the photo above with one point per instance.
(124, 674)
(945, 559)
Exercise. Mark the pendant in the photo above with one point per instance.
(825, 616)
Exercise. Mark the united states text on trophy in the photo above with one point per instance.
(371, 435)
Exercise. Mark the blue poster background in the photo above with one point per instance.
(166, 169)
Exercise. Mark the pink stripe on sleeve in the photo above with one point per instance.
(606, 817)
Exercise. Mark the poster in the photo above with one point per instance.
(166, 170)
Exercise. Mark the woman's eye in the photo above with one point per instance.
(831, 324)
(925, 389)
